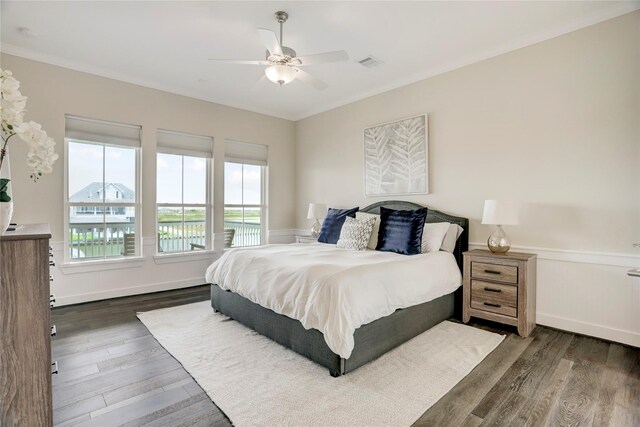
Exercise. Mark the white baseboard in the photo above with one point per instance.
(123, 292)
(591, 329)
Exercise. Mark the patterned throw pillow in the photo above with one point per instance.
(355, 233)
(373, 240)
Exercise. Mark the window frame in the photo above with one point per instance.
(208, 206)
(137, 205)
(263, 199)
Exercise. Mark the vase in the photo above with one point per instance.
(6, 208)
(6, 211)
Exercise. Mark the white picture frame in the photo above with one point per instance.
(396, 157)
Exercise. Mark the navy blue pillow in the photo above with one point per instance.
(332, 224)
(401, 231)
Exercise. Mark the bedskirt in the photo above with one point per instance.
(371, 340)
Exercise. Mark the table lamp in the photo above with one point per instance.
(499, 213)
(316, 211)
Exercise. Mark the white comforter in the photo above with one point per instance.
(334, 290)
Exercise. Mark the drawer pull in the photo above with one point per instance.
(490, 304)
(52, 263)
(54, 331)
(491, 271)
(54, 368)
(52, 300)
(493, 290)
(50, 278)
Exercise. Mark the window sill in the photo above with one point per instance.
(73, 267)
(169, 258)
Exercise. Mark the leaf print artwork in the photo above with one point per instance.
(396, 157)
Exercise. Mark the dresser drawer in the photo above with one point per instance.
(494, 272)
(502, 299)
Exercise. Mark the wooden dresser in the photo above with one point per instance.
(25, 325)
(501, 288)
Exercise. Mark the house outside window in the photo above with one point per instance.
(245, 206)
(102, 203)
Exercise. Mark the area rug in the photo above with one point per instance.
(257, 382)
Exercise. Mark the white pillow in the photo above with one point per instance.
(450, 239)
(373, 240)
(355, 233)
(433, 235)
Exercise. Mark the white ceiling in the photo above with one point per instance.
(165, 45)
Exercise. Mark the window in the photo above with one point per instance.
(183, 192)
(244, 195)
(102, 205)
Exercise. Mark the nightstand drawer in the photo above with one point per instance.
(495, 298)
(502, 294)
(494, 272)
(494, 307)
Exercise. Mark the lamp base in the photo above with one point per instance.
(498, 242)
(315, 229)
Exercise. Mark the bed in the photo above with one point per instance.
(370, 339)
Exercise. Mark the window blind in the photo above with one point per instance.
(244, 152)
(184, 144)
(91, 130)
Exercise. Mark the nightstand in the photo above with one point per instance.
(306, 239)
(500, 287)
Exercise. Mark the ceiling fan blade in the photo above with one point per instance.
(320, 58)
(239, 61)
(310, 80)
(270, 40)
(260, 83)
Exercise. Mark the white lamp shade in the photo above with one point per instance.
(499, 212)
(317, 211)
(280, 74)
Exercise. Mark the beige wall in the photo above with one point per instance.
(54, 91)
(555, 125)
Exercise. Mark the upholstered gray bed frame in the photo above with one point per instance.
(371, 340)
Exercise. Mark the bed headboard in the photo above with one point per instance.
(462, 244)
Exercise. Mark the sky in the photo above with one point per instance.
(242, 182)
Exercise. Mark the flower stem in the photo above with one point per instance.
(3, 151)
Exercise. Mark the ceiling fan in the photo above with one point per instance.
(283, 66)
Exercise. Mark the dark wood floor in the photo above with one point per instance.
(113, 372)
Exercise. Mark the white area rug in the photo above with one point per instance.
(258, 382)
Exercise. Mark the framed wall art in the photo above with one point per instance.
(396, 157)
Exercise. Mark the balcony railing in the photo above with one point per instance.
(247, 234)
(86, 240)
(171, 237)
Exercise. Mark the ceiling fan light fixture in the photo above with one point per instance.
(280, 74)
